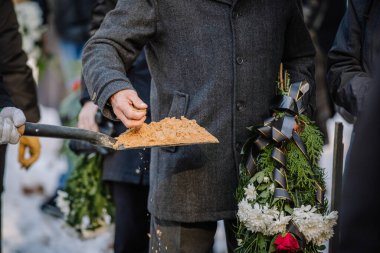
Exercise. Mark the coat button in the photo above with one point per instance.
(239, 60)
(240, 106)
(93, 96)
(138, 171)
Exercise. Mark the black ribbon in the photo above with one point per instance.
(283, 128)
(281, 193)
(279, 177)
(259, 144)
(287, 104)
(293, 228)
(279, 156)
(280, 129)
(251, 164)
(319, 194)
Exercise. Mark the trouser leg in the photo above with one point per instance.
(2, 169)
(132, 219)
(230, 228)
(176, 237)
(3, 148)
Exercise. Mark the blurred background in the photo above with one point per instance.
(54, 33)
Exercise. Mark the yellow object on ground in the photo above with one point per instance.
(33, 146)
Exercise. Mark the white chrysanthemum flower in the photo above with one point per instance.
(315, 227)
(250, 216)
(250, 192)
(262, 218)
(279, 223)
(29, 17)
(62, 202)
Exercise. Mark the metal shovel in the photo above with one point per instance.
(73, 133)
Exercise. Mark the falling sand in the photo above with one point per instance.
(167, 132)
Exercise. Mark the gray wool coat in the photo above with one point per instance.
(215, 61)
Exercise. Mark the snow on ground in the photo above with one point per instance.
(27, 230)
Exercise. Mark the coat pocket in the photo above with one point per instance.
(178, 108)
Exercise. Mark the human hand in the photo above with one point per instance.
(129, 108)
(86, 118)
(10, 119)
(34, 148)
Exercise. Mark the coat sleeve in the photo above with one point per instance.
(299, 52)
(5, 100)
(17, 76)
(112, 50)
(348, 82)
(100, 10)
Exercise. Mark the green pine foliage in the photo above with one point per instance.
(313, 139)
(87, 195)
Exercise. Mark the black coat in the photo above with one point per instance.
(329, 26)
(359, 229)
(351, 59)
(129, 166)
(5, 99)
(17, 76)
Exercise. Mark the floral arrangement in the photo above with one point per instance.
(282, 207)
(29, 17)
(86, 201)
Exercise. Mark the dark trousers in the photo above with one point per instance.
(3, 148)
(132, 219)
(177, 237)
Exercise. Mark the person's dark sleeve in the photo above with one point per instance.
(100, 10)
(348, 82)
(17, 76)
(5, 100)
(114, 47)
(299, 53)
(360, 197)
(84, 95)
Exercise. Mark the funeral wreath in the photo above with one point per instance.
(281, 203)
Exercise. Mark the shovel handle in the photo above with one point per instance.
(63, 132)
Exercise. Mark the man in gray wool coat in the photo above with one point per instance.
(215, 61)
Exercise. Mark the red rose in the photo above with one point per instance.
(286, 244)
